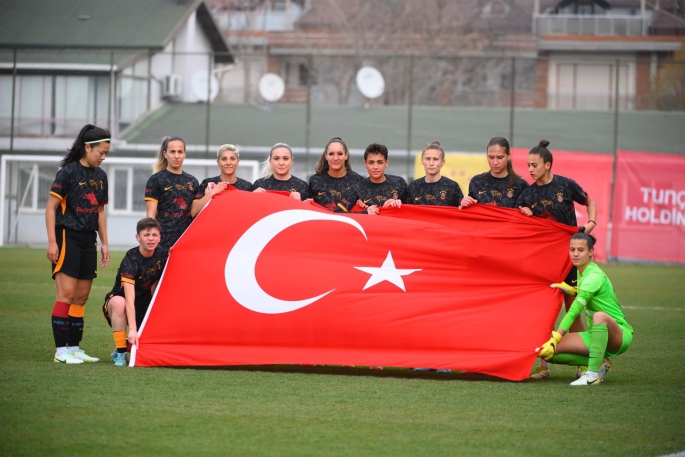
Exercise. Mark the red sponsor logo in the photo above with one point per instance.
(180, 201)
(87, 210)
(56, 186)
(148, 190)
(91, 198)
(178, 214)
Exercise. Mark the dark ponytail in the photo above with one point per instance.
(502, 142)
(589, 239)
(89, 133)
(543, 152)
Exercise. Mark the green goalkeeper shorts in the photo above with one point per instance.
(627, 339)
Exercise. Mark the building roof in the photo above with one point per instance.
(101, 24)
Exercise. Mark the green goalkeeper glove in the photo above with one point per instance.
(548, 349)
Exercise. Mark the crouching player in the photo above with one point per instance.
(608, 334)
(134, 285)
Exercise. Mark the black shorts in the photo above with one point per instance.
(572, 277)
(78, 254)
(105, 308)
(105, 311)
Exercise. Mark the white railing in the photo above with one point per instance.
(582, 24)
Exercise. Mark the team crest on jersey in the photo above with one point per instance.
(180, 187)
(443, 195)
(560, 197)
(190, 186)
(510, 193)
(394, 194)
(159, 264)
(102, 184)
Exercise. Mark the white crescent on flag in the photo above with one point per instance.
(240, 264)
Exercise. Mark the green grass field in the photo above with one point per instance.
(97, 409)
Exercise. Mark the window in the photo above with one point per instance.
(35, 182)
(48, 105)
(127, 189)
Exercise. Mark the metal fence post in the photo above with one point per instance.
(512, 101)
(308, 117)
(613, 165)
(210, 57)
(410, 109)
(14, 96)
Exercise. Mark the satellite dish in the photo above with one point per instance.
(199, 83)
(370, 82)
(271, 87)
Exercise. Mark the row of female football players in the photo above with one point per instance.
(174, 197)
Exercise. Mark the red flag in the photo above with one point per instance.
(262, 279)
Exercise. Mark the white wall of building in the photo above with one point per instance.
(588, 81)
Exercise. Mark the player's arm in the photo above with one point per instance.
(102, 231)
(151, 208)
(210, 192)
(591, 214)
(50, 209)
(130, 296)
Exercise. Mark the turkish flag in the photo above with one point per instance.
(260, 278)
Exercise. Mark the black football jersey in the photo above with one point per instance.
(371, 193)
(81, 191)
(143, 273)
(174, 194)
(240, 184)
(293, 184)
(336, 194)
(487, 189)
(554, 200)
(443, 192)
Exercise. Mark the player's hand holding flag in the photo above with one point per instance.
(548, 349)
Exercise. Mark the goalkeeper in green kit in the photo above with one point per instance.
(608, 334)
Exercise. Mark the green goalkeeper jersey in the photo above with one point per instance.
(595, 293)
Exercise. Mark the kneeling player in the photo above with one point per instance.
(608, 332)
(134, 285)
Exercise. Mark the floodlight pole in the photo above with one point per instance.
(410, 109)
(14, 91)
(613, 165)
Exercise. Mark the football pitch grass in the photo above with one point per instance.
(99, 409)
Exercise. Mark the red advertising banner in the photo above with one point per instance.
(593, 173)
(649, 207)
(263, 279)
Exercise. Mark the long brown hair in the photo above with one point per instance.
(503, 143)
(322, 166)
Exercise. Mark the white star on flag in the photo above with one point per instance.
(386, 272)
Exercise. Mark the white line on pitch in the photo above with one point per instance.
(33, 284)
(654, 308)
